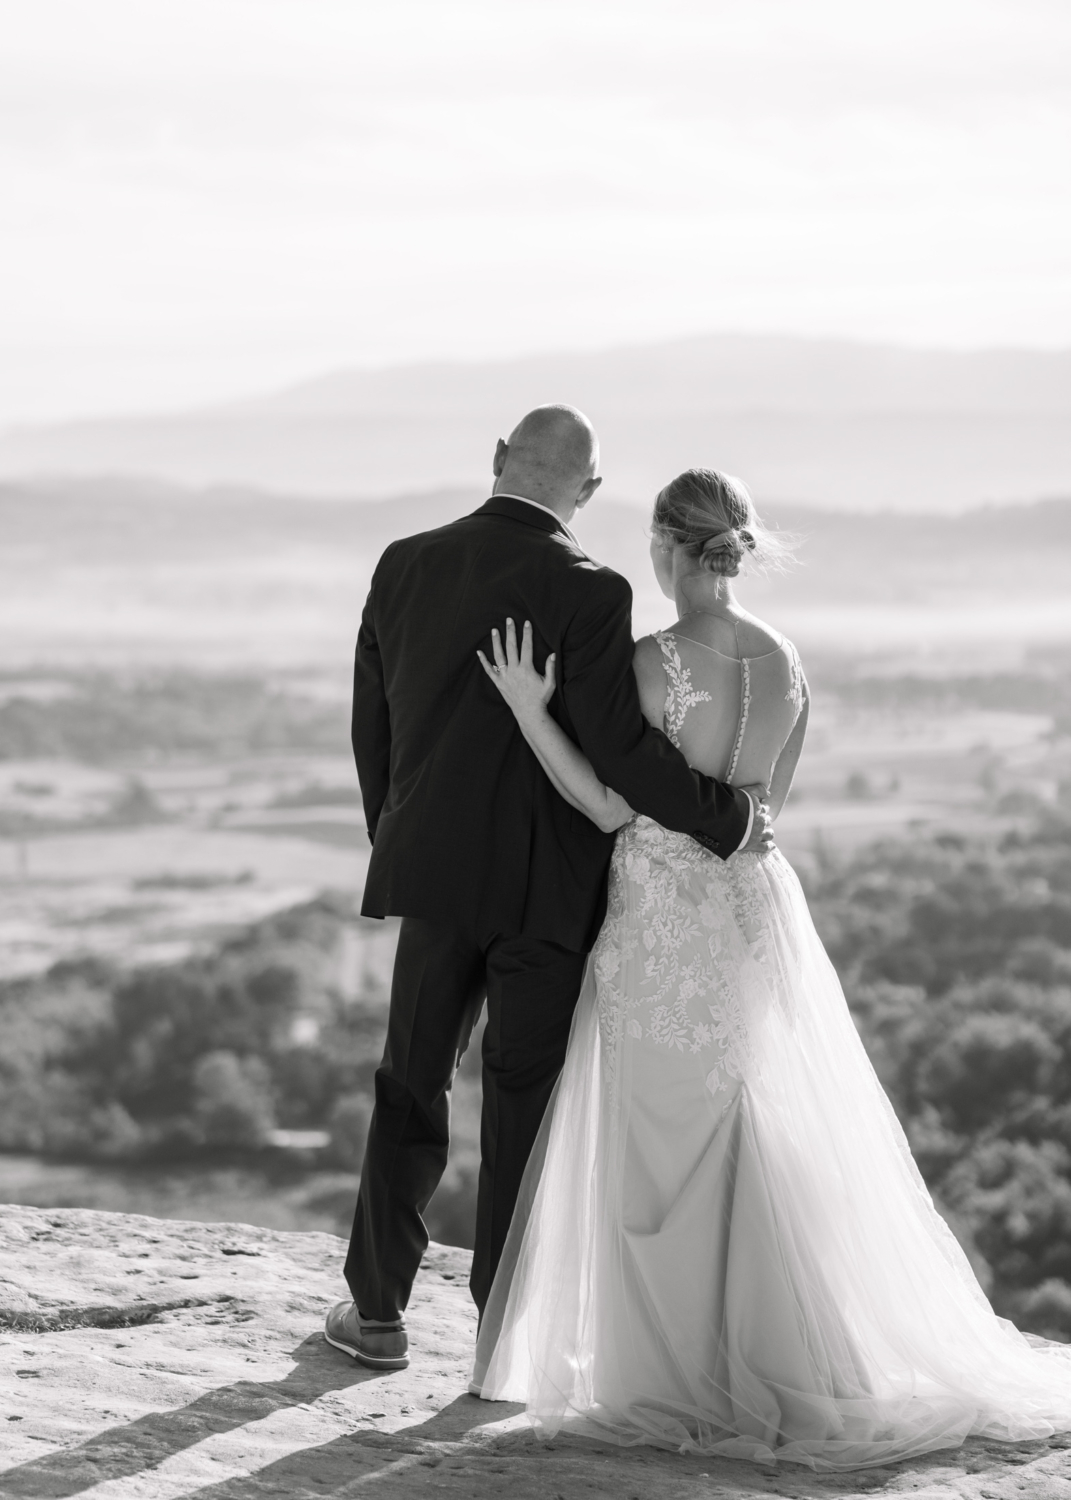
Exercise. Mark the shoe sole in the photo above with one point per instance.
(372, 1361)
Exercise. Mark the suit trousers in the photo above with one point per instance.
(441, 976)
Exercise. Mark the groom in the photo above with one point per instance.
(500, 884)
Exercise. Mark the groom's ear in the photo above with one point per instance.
(587, 489)
(498, 463)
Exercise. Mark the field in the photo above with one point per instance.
(136, 840)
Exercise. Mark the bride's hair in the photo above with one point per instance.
(713, 517)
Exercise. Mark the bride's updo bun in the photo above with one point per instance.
(712, 516)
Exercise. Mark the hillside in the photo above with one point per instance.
(107, 569)
(847, 426)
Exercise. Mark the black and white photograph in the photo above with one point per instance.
(535, 749)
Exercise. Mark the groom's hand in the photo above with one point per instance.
(761, 840)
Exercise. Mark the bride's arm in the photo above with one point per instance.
(528, 694)
(785, 769)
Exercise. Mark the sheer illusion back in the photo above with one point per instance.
(731, 716)
(722, 1242)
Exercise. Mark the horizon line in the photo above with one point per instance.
(446, 362)
(204, 493)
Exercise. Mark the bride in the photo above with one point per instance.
(722, 1243)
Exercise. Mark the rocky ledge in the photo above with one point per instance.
(143, 1358)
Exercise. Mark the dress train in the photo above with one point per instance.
(723, 1244)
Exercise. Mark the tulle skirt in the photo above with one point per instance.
(722, 1243)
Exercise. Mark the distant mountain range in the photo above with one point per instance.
(823, 424)
(114, 570)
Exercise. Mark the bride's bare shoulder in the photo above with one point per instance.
(650, 679)
(756, 638)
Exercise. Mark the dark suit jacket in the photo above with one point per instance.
(465, 826)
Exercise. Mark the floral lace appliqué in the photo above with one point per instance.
(795, 685)
(681, 696)
(678, 963)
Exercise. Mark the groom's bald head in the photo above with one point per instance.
(551, 456)
(557, 441)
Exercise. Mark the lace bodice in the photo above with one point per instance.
(685, 942)
(764, 694)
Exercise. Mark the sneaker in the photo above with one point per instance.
(380, 1346)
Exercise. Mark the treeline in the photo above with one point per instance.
(99, 717)
(208, 1055)
(955, 955)
(205, 1061)
(956, 958)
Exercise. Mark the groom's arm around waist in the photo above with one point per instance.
(602, 701)
(370, 725)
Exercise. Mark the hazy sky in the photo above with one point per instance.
(206, 197)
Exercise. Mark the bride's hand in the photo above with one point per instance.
(514, 673)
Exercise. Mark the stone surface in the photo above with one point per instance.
(148, 1360)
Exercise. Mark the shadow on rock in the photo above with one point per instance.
(435, 1456)
(366, 1454)
(146, 1442)
(469, 1461)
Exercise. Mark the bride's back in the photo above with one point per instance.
(726, 692)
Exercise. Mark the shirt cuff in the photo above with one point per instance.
(750, 821)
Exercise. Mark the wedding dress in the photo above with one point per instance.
(722, 1243)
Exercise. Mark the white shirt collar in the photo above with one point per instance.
(539, 506)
